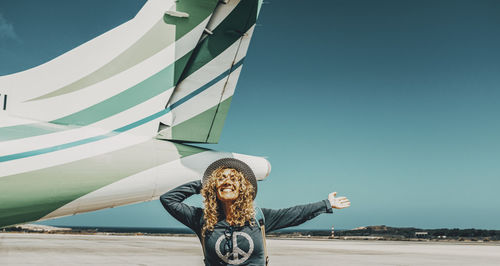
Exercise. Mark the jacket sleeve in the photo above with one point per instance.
(188, 215)
(282, 218)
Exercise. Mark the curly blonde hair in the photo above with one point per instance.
(242, 207)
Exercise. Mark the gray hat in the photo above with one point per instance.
(235, 164)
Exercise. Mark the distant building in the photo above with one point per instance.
(421, 234)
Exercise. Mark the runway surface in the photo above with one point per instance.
(45, 249)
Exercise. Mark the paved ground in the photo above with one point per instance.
(43, 249)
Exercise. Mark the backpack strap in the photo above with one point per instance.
(203, 248)
(259, 216)
(261, 222)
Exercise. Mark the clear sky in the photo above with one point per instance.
(395, 104)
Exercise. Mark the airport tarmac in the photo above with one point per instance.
(60, 249)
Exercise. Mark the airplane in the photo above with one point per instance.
(112, 121)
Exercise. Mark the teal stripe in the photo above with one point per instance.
(137, 94)
(230, 30)
(156, 39)
(27, 130)
(208, 85)
(124, 128)
(54, 148)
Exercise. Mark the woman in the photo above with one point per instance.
(231, 230)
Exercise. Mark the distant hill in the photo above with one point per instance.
(374, 232)
(383, 232)
(411, 232)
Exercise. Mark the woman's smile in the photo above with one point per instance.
(228, 186)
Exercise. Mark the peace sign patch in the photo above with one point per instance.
(234, 255)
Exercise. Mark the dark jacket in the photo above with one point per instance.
(232, 245)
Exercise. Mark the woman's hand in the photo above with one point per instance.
(338, 203)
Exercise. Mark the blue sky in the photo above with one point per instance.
(394, 104)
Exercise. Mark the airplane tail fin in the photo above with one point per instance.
(204, 89)
(169, 72)
(119, 80)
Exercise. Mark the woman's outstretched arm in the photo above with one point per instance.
(282, 218)
(188, 215)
